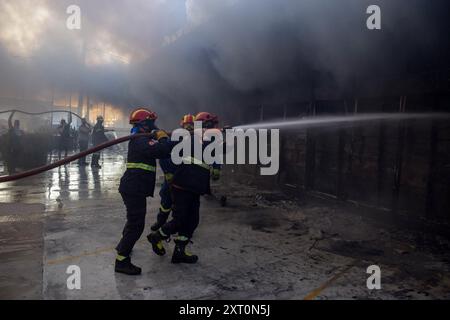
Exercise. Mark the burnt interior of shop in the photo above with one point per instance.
(399, 167)
(345, 196)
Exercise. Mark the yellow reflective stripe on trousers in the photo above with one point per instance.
(120, 258)
(143, 166)
(164, 209)
(190, 160)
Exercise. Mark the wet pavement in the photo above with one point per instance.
(262, 245)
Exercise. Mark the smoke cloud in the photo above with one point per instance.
(183, 56)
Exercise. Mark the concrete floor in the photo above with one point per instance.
(262, 245)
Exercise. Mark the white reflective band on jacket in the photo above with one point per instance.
(142, 166)
(192, 160)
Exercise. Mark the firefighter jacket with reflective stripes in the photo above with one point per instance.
(140, 176)
(195, 176)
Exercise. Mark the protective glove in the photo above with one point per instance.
(168, 177)
(160, 134)
(215, 174)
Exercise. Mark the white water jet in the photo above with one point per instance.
(316, 121)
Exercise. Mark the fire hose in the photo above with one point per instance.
(13, 111)
(71, 158)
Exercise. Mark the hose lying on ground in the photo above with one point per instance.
(70, 159)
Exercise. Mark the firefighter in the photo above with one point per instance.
(64, 138)
(98, 137)
(210, 122)
(187, 122)
(83, 139)
(138, 183)
(190, 181)
(14, 151)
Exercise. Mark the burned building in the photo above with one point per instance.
(364, 163)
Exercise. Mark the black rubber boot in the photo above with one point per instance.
(156, 240)
(95, 161)
(126, 267)
(180, 255)
(161, 219)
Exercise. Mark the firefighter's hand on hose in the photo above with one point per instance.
(168, 177)
(215, 174)
(160, 134)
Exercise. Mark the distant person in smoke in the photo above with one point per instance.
(84, 133)
(98, 137)
(16, 130)
(14, 146)
(64, 138)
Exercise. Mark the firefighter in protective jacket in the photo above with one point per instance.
(187, 122)
(138, 182)
(190, 181)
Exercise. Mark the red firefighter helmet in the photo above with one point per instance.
(209, 120)
(187, 120)
(142, 114)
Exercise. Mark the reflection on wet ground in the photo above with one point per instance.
(28, 208)
(261, 245)
(67, 183)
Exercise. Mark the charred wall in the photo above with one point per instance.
(402, 167)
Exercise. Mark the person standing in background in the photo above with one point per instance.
(64, 138)
(84, 133)
(14, 151)
(98, 137)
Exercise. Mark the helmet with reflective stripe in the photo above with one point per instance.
(187, 121)
(142, 114)
(209, 120)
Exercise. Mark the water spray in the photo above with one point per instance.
(315, 121)
(288, 123)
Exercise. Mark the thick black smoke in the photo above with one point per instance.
(185, 56)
